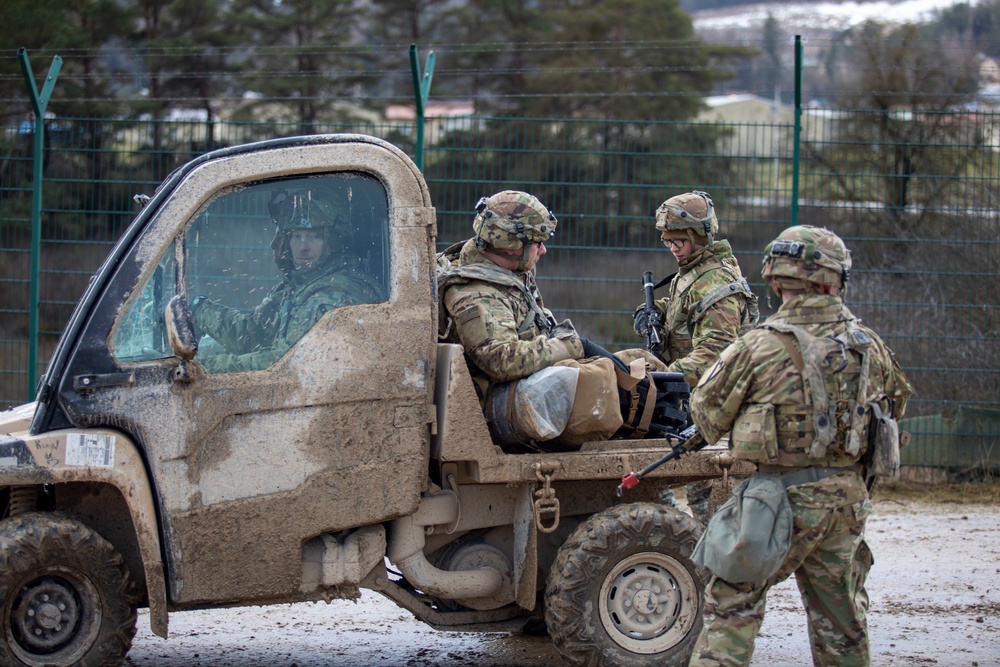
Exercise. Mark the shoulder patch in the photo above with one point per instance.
(467, 315)
(712, 371)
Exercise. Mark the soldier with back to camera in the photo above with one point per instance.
(802, 395)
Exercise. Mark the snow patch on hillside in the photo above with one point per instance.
(822, 16)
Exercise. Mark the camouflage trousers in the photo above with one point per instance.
(830, 562)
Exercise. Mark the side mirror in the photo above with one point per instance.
(180, 328)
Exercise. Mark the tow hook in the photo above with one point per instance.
(545, 497)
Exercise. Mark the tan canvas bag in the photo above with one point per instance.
(596, 413)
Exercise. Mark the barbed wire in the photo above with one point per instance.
(448, 78)
(472, 47)
(115, 76)
(404, 71)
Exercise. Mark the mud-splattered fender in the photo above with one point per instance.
(96, 456)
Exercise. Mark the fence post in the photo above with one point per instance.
(796, 153)
(421, 91)
(38, 102)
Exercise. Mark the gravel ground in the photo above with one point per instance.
(935, 600)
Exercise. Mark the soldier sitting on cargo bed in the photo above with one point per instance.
(542, 386)
(313, 235)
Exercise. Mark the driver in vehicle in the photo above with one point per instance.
(312, 248)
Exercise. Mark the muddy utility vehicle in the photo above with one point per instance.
(147, 473)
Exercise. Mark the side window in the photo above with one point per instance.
(141, 334)
(264, 262)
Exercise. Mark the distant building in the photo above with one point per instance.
(759, 126)
(440, 117)
(433, 110)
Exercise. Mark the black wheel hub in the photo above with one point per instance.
(46, 616)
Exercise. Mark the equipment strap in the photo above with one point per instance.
(740, 286)
(491, 273)
(796, 476)
(683, 282)
(812, 359)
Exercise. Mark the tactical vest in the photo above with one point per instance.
(681, 346)
(448, 274)
(830, 427)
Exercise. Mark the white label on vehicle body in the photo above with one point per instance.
(90, 449)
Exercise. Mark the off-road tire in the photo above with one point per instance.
(66, 595)
(623, 591)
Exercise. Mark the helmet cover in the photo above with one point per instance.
(321, 208)
(805, 254)
(511, 219)
(308, 208)
(689, 212)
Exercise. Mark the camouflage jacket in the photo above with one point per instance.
(694, 339)
(498, 317)
(257, 339)
(757, 390)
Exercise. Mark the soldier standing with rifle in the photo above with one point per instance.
(708, 304)
(809, 396)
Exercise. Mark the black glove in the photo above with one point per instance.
(640, 324)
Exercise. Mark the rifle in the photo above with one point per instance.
(688, 440)
(653, 340)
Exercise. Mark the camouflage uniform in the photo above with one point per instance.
(257, 339)
(708, 304)
(756, 388)
(492, 307)
(502, 324)
(498, 317)
(695, 340)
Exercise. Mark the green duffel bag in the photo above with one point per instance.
(748, 538)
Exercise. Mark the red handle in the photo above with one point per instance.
(630, 481)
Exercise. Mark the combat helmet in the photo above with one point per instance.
(512, 220)
(689, 215)
(804, 255)
(320, 207)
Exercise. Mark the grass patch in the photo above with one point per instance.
(961, 493)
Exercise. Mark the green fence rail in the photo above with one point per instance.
(915, 197)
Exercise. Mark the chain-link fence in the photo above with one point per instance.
(915, 197)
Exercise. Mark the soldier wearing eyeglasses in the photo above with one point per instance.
(707, 306)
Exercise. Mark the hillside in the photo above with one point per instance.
(816, 16)
(822, 25)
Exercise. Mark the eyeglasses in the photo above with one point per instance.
(673, 244)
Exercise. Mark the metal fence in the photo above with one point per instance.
(915, 197)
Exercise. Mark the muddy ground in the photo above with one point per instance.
(935, 600)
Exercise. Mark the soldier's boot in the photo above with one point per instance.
(698, 499)
(667, 498)
(670, 415)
